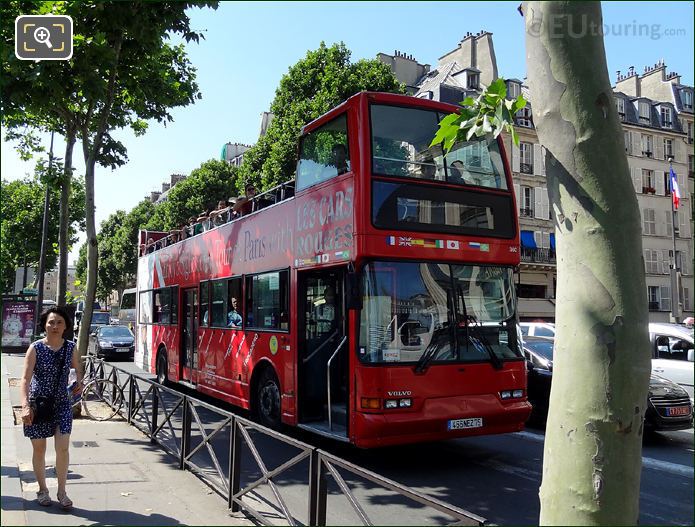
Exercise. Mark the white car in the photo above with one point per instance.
(538, 329)
(672, 353)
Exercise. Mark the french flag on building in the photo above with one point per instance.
(675, 192)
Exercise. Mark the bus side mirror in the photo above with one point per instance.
(353, 293)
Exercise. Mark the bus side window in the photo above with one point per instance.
(204, 300)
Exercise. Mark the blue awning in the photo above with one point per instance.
(527, 239)
(552, 241)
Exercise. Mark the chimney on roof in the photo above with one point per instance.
(165, 187)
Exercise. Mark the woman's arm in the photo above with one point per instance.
(77, 364)
(28, 372)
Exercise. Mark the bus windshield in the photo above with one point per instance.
(442, 309)
(400, 147)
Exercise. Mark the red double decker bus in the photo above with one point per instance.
(370, 300)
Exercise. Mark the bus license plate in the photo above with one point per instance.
(459, 424)
(673, 411)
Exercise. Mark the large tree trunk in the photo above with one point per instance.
(63, 231)
(593, 442)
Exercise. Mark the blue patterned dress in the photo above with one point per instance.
(43, 382)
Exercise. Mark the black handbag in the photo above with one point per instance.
(43, 406)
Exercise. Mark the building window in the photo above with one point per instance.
(649, 222)
(666, 121)
(691, 164)
(648, 181)
(644, 110)
(526, 202)
(687, 99)
(526, 150)
(659, 298)
(513, 90)
(686, 298)
(524, 117)
(473, 81)
(651, 261)
(669, 222)
(689, 128)
(620, 106)
(647, 145)
(668, 148)
(531, 291)
(626, 137)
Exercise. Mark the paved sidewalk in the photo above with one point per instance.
(116, 476)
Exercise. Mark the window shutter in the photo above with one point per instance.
(546, 240)
(666, 269)
(684, 223)
(636, 144)
(538, 202)
(660, 188)
(545, 202)
(542, 160)
(669, 223)
(658, 148)
(665, 303)
(538, 238)
(517, 193)
(537, 159)
(659, 261)
(637, 179)
(677, 151)
(515, 158)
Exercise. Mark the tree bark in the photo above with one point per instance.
(593, 443)
(63, 231)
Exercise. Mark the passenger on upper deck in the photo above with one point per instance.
(219, 215)
(244, 204)
(339, 158)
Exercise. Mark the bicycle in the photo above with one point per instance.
(101, 398)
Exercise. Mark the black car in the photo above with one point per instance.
(669, 406)
(112, 342)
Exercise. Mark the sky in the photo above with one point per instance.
(249, 46)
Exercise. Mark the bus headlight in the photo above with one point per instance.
(405, 403)
(391, 403)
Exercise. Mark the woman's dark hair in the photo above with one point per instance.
(58, 310)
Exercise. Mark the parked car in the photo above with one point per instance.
(669, 407)
(672, 353)
(112, 342)
(538, 329)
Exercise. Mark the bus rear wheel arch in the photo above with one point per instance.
(162, 366)
(266, 397)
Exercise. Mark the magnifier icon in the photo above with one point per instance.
(42, 36)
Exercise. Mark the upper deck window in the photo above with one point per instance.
(400, 147)
(324, 154)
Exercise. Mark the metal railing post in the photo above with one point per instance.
(235, 466)
(313, 486)
(185, 434)
(321, 492)
(131, 397)
(328, 384)
(155, 411)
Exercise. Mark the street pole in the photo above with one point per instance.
(44, 238)
(675, 308)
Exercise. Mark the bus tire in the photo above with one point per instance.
(162, 367)
(267, 399)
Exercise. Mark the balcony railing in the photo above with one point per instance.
(526, 213)
(526, 168)
(647, 153)
(538, 255)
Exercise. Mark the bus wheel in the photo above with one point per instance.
(162, 368)
(268, 399)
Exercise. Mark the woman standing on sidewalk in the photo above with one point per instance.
(46, 368)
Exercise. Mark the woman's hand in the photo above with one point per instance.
(27, 415)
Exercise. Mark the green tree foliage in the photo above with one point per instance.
(22, 222)
(490, 113)
(314, 85)
(213, 181)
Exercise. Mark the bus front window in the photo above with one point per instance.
(412, 309)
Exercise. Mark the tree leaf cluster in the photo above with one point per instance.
(22, 221)
(315, 84)
(489, 113)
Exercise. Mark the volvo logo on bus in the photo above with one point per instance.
(400, 393)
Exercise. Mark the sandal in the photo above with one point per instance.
(43, 498)
(64, 501)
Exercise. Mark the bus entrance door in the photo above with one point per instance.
(323, 353)
(189, 335)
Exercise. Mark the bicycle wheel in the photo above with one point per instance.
(102, 399)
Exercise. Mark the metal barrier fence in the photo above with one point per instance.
(218, 445)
